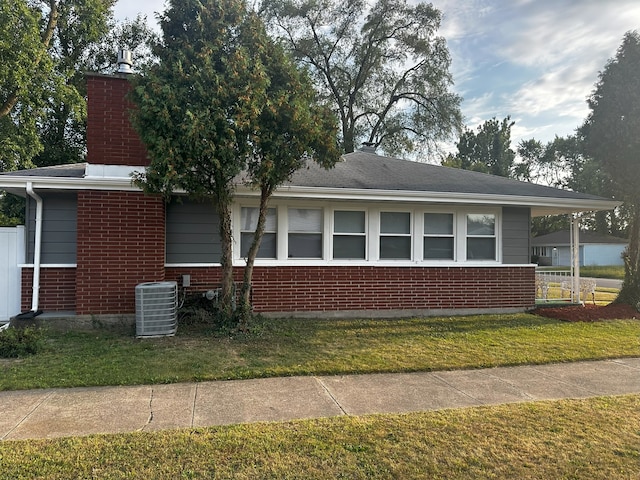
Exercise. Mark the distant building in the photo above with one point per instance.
(595, 249)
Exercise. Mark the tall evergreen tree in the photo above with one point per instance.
(223, 99)
(612, 137)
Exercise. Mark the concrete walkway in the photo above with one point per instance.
(83, 411)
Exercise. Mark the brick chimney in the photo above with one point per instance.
(111, 140)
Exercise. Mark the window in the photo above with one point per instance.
(438, 240)
(481, 237)
(305, 233)
(248, 223)
(395, 235)
(349, 234)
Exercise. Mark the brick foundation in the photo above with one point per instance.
(298, 289)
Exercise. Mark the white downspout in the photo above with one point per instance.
(37, 247)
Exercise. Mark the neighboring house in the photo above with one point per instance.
(375, 235)
(595, 249)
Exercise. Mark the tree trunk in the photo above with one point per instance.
(244, 312)
(630, 291)
(226, 259)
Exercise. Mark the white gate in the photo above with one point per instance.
(12, 254)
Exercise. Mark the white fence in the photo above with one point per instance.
(557, 285)
(12, 254)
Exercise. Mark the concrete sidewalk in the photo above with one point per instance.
(83, 411)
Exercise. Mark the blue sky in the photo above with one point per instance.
(535, 60)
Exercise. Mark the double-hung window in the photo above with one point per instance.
(305, 232)
(349, 234)
(438, 240)
(481, 236)
(395, 236)
(248, 222)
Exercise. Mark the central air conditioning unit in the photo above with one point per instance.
(156, 309)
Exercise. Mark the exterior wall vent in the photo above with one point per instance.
(125, 61)
(156, 309)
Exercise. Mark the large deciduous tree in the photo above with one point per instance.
(39, 44)
(381, 64)
(224, 102)
(612, 137)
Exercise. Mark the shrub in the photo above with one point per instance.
(19, 342)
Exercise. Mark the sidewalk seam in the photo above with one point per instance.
(193, 406)
(150, 419)
(26, 417)
(335, 400)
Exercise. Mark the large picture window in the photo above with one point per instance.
(481, 236)
(349, 234)
(438, 240)
(249, 221)
(395, 235)
(305, 233)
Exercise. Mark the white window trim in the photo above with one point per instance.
(372, 234)
(420, 229)
(411, 234)
(366, 234)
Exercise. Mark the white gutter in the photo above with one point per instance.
(37, 248)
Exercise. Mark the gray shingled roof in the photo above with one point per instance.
(72, 170)
(361, 170)
(364, 171)
(563, 238)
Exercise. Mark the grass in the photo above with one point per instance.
(595, 438)
(614, 271)
(287, 347)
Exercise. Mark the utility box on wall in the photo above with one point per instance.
(156, 309)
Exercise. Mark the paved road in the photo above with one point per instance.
(607, 282)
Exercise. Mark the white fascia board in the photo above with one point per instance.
(539, 205)
(67, 183)
(102, 171)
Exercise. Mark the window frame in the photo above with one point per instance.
(496, 228)
(453, 235)
(319, 233)
(410, 235)
(364, 234)
(242, 232)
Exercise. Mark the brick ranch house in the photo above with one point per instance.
(375, 235)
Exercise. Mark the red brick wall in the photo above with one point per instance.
(290, 289)
(110, 137)
(57, 289)
(120, 244)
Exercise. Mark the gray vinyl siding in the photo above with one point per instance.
(516, 235)
(192, 233)
(59, 227)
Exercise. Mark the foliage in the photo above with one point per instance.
(286, 347)
(488, 151)
(25, 70)
(563, 163)
(20, 342)
(595, 438)
(224, 99)
(611, 138)
(383, 67)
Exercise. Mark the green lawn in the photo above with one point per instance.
(317, 347)
(613, 271)
(592, 439)
(596, 438)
